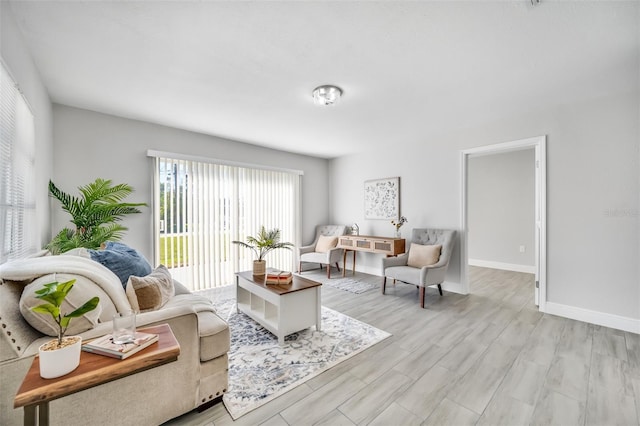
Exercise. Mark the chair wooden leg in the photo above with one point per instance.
(440, 289)
(299, 267)
(328, 271)
(384, 284)
(422, 297)
(338, 266)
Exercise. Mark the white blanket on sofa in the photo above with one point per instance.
(30, 269)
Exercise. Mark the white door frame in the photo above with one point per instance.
(539, 144)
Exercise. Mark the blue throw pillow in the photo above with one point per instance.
(122, 260)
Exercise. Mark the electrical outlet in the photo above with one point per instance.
(522, 250)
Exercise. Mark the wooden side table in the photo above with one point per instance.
(35, 392)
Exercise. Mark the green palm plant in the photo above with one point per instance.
(95, 215)
(264, 242)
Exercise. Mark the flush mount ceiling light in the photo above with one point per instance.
(326, 95)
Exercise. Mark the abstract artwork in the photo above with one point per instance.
(382, 198)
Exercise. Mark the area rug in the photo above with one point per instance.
(349, 284)
(261, 370)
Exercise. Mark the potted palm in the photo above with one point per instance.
(261, 245)
(95, 215)
(61, 355)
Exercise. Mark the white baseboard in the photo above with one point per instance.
(593, 317)
(503, 266)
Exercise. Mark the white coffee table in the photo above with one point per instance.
(281, 308)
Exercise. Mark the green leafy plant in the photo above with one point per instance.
(264, 242)
(54, 294)
(95, 215)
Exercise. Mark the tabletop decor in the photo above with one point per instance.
(61, 355)
(398, 224)
(261, 245)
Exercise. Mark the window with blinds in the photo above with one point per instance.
(201, 206)
(18, 223)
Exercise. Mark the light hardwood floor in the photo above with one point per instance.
(487, 358)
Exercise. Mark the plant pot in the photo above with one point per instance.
(58, 362)
(259, 267)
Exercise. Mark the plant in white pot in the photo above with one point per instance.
(62, 355)
(261, 245)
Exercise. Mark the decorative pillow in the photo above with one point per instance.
(122, 260)
(326, 243)
(77, 297)
(423, 255)
(151, 292)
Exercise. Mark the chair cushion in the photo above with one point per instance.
(423, 255)
(326, 243)
(150, 292)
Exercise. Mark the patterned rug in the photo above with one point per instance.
(261, 370)
(349, 284)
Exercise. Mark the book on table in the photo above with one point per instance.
(105, 346)
(279, 277)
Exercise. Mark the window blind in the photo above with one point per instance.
(18, 223)
(202, 206)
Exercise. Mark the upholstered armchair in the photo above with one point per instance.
(426, 262)
(323, 249)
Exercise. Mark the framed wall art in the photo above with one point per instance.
(382, 198)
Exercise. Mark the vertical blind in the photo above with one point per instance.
(201, 206)
(18, 222)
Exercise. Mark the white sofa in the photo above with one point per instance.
(198, 377)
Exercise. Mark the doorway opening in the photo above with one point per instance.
(538, 145)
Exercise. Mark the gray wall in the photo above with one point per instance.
(89, 145)
(501, 208)
(592, 179)
(17, 59)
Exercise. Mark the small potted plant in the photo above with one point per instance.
(262, 244)
(62, 355)
(398, 225)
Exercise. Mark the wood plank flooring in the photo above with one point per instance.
(487, 358)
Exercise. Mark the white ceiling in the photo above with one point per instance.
(409, 70)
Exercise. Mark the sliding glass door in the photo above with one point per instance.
(201, 206)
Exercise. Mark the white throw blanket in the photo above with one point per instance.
(30, 269)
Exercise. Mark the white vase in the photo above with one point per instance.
(398, 233)
(58, 362)
(259, 267)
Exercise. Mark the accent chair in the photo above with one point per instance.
(323, 249)
(426, 262)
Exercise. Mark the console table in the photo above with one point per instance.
(371, 244)
(35, 392)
